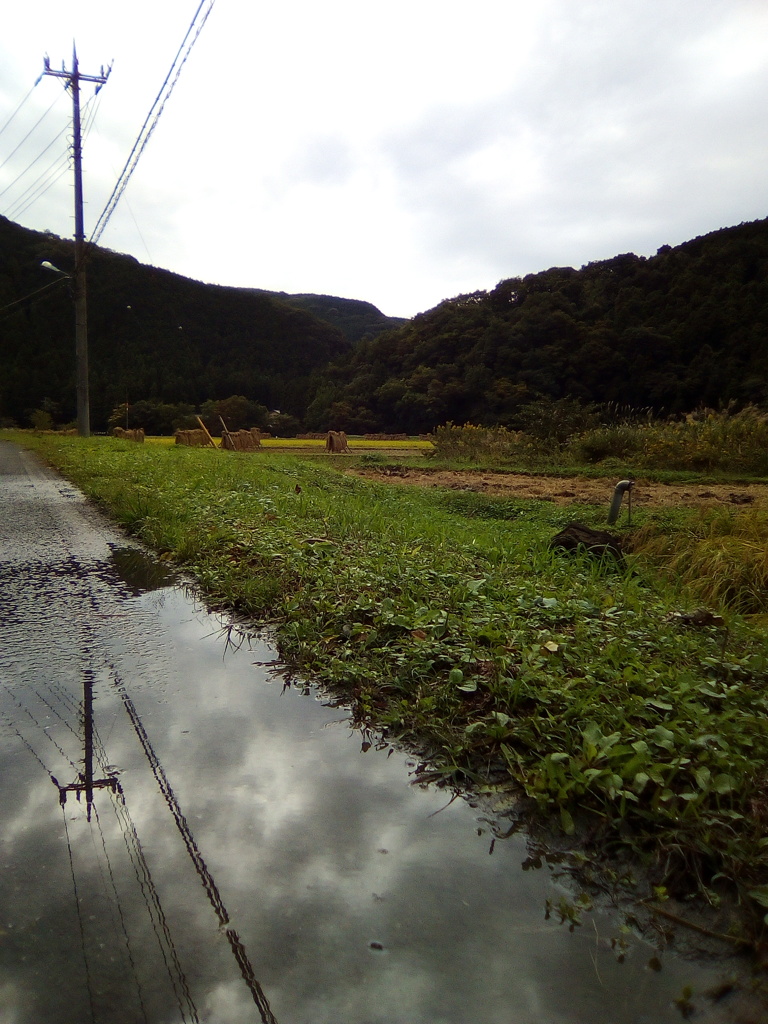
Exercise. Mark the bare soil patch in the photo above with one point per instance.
(574, 490)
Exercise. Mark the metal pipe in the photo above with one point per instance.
(618, 494)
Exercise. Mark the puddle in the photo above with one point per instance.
(253, 863)
(140, 571)
(210, 845)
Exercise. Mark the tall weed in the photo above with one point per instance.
(490, 446)
(721, 557)
(470, 443)
(704, 441)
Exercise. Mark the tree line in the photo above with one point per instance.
(684, 328)
(154, 336)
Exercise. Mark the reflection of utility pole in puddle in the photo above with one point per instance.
(211, 889)
(87, 783)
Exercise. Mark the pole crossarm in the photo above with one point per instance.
(99, 79)
(86, 787)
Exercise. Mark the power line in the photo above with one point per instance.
(148, 127)
(45, 187)
(154, 908)
(123, 923)
(31, 130)
(29, 166)
(45, 180)
(88, 983)
(58, 702)
(13, 115)
(148, 890)
(25, 710)
(26, 298)
(51, 174)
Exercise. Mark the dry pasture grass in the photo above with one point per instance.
(574, 489)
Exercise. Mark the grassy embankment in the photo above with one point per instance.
(447, 620)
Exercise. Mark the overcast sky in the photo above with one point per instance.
(400, 153)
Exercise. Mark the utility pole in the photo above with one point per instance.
(73, 79)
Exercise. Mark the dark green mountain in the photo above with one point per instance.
(152, 335)
(686, 327)
(354, 318)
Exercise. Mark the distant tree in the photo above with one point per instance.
(349, 417)
(158, 418)
(282, 424)
(316, 417)
(118, 417)
(41, 419)
(556, 420)
(237, 411)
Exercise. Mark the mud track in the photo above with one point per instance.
(574, 490)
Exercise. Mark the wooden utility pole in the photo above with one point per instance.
(73, 79)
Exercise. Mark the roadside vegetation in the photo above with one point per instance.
(564, 434)
(595, 689)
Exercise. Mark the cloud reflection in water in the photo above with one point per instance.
(354, 901)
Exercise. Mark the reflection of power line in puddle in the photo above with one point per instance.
(211, 889)
(154, 907)
(150, 895)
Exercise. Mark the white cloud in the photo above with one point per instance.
(406, 153)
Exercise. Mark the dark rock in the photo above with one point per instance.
(698, 617)
(578, 537)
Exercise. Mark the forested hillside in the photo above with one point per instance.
(355, 318)
(686, 327)
(152, 335)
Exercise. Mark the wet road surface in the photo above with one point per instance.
(182, 838)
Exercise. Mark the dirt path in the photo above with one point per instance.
(574, 489)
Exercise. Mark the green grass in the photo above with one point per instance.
(448, 621)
